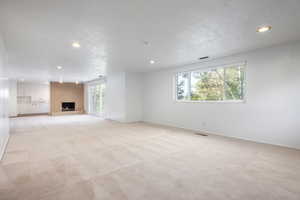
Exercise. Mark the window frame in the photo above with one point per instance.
(205, 69)
(88, 88)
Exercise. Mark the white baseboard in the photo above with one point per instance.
(3, 146)
(220, 134)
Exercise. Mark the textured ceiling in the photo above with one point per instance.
(38, 33)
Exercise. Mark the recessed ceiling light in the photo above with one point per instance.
(59, 67)
(76, 44)
(152, 62)
(263, 29)
(146, 43)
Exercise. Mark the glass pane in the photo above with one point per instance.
(96, 96)
(182, 85)
(97, 99)
(207, 86)
(234, 77)
(102, 89)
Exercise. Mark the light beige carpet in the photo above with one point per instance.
(83, 157)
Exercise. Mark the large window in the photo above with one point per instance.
(216, 84)
(96, 98)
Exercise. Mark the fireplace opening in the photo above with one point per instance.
(67, 106)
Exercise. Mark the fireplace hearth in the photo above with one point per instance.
(67, 106)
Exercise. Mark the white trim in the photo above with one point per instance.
(4, 145)
(171, 125)
(101, 115)
(88, 99)
(211, 101)
(96, 81)
(200, 67)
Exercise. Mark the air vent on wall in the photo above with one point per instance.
(202, 58)
(201, 134)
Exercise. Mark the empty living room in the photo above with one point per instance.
(149, 100)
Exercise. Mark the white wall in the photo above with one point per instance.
(2, 56)
(39, 94)
(123, 97)
(134, 91)
(115, 100)
(4, 93)
(13, 106)
(272, 108)
(4, 120)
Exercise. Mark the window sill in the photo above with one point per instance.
(233, 101)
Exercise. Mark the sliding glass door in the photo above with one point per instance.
(96, 98)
